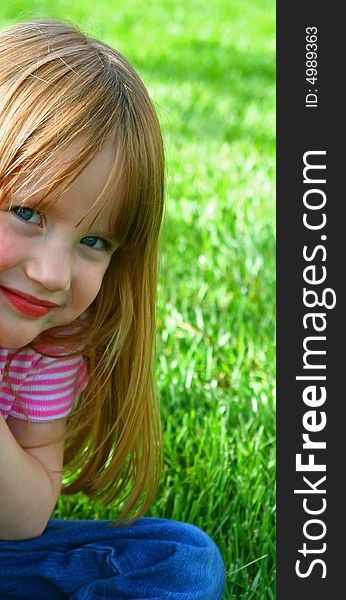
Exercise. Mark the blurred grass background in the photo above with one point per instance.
(210, 69)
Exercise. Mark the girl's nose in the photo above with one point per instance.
(51, 268)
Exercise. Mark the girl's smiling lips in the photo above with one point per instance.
(27, 304)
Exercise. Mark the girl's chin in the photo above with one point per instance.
(14, 342)
(16, 338)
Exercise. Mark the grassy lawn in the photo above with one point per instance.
(210, 69)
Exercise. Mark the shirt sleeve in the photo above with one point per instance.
(50, 388)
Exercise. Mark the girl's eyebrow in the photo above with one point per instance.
(105, 234)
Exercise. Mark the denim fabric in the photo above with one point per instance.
(153, 559)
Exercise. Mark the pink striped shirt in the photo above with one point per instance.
(45, 386)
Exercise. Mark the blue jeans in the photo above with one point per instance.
(153, 559)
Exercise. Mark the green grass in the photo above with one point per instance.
(210, 70)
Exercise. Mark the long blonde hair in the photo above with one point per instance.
(59, 86)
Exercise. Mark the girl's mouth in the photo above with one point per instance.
(27, 305)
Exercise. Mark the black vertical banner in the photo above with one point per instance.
(311, 336)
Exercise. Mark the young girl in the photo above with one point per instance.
(81, 200)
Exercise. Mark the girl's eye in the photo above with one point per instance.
(96, 243)
(27, 214)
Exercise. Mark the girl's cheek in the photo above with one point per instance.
(6, 259)
(10, 250)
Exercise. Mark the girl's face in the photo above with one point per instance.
(51, 264)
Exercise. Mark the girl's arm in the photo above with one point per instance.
(30, 479)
